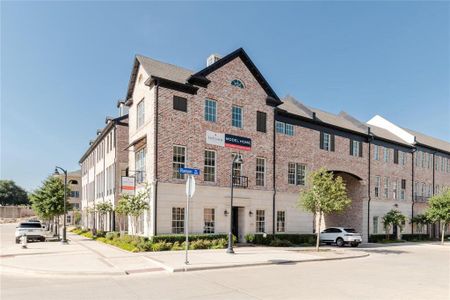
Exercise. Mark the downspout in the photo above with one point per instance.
(116, 168)
(155, 164)
(274, 174)
(369, 182)
(412, 189)
(104, 177)
(434, 188)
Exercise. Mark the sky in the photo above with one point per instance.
(64, 65)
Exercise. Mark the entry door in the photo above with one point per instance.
(235, 227)
(395, 232)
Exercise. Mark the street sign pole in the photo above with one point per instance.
(187, 217)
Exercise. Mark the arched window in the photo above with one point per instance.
(237, 83)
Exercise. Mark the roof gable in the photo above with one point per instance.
(199, 78)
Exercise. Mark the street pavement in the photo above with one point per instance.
(413, 271)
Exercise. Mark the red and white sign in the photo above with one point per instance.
(128, 185)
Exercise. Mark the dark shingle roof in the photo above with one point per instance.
(429, 141)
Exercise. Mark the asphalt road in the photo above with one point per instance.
(420, 271)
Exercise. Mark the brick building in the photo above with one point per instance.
(102, 166)
(181, 118)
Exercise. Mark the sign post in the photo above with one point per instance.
(190, 190)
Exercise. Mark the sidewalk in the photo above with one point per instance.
(80, 257)
(174, 261)
(83, 257)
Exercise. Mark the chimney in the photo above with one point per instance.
(212, 59)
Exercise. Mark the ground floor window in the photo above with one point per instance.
(281, 219)
(177, 219)
(69, 219)
(260, 220)
(208, 216)
(375, 225)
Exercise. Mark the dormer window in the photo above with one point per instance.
(237, 83)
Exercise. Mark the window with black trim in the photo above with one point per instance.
(326, 141)
(180, 103)
(261, 121)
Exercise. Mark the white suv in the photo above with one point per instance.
(33, 231)
(341, 236)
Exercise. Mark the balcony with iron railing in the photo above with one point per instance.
(240, 182)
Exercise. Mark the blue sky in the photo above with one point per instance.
(65, 64)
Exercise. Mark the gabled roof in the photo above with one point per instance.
(430, 141)
(250, 65)
(155, 68)
(122, 120)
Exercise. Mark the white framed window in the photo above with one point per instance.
(376, 153)
(386, 154)
(280, 127)
(377, 186)
(260, 221)
(394, 189)
(177, 219)
(209, 220)
(236, 116)
(140, 114)
(375, 225)
(386, 187)
(209, 172)
(260, 171)
(237, 83)
(140, 165)
(210, 110)
(296, 173)
(281, 221)
(179, 161)
(403, 189)
(355, 148)
(327, 141)
(289, 129)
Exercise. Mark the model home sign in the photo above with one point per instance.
(228, 140)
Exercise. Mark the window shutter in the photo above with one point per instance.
(180, 103)
(351, 147)
(360, 149)
(395, 156)
(321, 140)
(332, 142)
(261, 120)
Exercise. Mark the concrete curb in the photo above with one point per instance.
(280, 262)
(17, 270)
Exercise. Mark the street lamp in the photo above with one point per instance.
(64, 239)
(238, 160)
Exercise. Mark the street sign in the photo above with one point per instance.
(189, 171)
(190, 186)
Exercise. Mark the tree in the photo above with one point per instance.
(327, 194)
(135, 205)
(48, 200)
(103, 208)
(420, 220)
(393, 218)
(122, 212)
(77, 217)
(439, 210)
(12, 194)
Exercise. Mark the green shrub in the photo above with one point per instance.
(219, 244)
(144, 245)
(172, 238)
(161, 246)
(293, 239)
(415, 237)
(178, 246)
(112, 235)
(88, 235)
(280, 243)
(100, 233)
(200, 244)
(377, 238)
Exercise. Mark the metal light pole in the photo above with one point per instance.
(64, 239)
(237, 159)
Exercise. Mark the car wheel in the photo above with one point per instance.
(42, 239)
(340, 242)
(355, 244)
(17, 241)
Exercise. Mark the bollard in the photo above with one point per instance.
(24, 241)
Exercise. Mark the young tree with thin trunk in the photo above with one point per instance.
(103, 209)
(326, 194)
(393, 218)
(439, 210)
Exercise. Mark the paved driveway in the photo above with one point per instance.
(419, 271)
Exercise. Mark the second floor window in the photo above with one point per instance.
(210, 166)
(210, 110)
(260, 171)
(386, 154)
(179, 161)
(394, 189)
(140, 165)
(355, 148)
(376, 152)
(140, 114)
(236, 116)
(261, 120)
(386, 187)
(326, 141)
(403, 189)
(377, 186)
(296, 174)
(284, 128)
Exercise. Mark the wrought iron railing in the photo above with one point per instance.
(240, 181)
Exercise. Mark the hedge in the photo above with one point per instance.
(280, 239)
(417, 237)
(377, 238)
(180, 238)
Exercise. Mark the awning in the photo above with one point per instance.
(138, 143)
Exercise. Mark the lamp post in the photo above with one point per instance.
(236, 159)
(64, 239)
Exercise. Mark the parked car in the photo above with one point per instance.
(37, 221)
(341, 236)
(33, 231)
